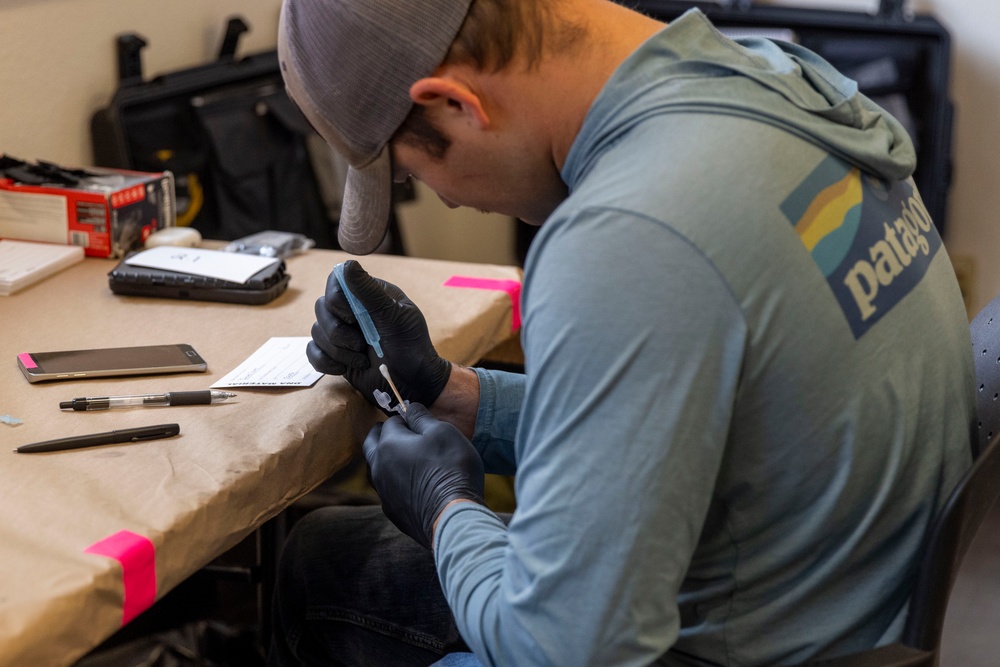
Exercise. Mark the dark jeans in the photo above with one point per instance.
(353, 590)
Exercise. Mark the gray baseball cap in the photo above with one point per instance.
(349, 65)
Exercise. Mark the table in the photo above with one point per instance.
(189, 498)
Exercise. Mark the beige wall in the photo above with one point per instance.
(57, 65)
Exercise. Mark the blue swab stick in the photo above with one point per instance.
(360, 313)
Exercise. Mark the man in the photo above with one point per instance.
(748, 382)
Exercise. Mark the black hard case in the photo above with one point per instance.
(235, 142)
(897, 57)
(262, 287)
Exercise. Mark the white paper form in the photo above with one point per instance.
(230, 266)
(280, 362)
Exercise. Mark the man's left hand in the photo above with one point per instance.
(420, 465)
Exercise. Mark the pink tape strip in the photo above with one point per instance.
(512, 287)
(26, 359)
(138, 558)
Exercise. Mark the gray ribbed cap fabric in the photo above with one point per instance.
(349, 65)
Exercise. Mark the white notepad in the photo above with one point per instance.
(24, 263)
(231, 266)
(280, 362)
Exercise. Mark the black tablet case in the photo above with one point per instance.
(263, 287)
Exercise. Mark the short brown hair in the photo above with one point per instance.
(495, 33)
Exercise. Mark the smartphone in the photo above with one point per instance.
(106, 362)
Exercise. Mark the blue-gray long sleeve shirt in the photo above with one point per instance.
(748, 380)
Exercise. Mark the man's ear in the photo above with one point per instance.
(445, 93)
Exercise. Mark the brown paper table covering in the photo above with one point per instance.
(234, 465)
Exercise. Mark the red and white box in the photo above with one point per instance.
(107, 211)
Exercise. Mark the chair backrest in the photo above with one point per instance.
(949, 541)
(950, 538)
(985, 330)
(971, 500)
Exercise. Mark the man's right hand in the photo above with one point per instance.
(338, 346)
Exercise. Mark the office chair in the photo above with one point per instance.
(985, 329)
(958, 523)
(950, 538)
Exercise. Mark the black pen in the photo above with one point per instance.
(96, 439)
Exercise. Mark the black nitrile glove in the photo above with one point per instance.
(420, 465)
(338, 346)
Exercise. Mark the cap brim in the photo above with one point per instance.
(364, 215)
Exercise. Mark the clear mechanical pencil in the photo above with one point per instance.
(205, 397)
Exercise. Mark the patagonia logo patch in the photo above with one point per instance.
(872, 243)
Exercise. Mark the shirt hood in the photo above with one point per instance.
(696, 69)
